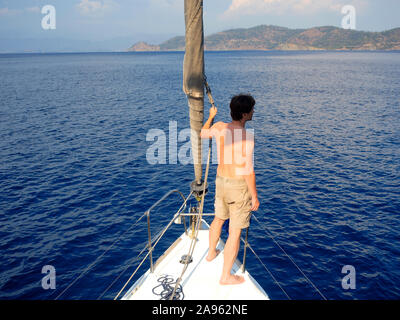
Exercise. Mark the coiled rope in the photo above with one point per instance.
(166, 291)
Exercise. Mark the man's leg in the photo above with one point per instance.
(230, 253)
(214, 234)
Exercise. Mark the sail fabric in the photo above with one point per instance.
(193, 76)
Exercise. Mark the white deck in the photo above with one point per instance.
(201, 279)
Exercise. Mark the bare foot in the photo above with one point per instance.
(212, 254)
(232, 279)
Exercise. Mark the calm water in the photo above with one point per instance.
(74, 174)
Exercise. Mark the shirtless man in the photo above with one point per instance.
(236, 193)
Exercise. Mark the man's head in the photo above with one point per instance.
(242, 107)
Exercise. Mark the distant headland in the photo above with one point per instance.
(265, 37)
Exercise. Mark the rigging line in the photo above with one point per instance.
(120, 275)
(151, 249)
(99, 257)
(129, 265)
(270, 273)
(156, 238)
(126, 283)
(198, 222)
(208, 91)
(312, 284)
(283, 250)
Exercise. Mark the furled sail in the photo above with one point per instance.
(193, 77)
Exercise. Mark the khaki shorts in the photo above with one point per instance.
(232, 201)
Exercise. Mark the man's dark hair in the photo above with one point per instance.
(242, 103)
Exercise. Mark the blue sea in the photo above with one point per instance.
(74, 176)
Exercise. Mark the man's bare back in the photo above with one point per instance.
(235, 147)
(235, 150)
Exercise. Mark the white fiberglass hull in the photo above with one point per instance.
(201, 279)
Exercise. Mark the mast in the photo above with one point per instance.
(193, 78)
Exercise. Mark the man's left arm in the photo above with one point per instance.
(205, 131)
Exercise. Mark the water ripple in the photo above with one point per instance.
(74, 174)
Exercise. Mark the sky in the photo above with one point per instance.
(154, 21)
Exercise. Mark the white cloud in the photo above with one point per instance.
(96, 7)
(250, 7)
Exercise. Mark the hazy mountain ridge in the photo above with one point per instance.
(265, 37)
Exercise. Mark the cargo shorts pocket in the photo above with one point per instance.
(239, 209)
(221, 210)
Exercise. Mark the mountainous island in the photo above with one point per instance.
(265, 37)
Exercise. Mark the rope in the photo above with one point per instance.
(208, 91)
(129, 265)
(267, 231)
(151, 249)
(167, 291)
(265, 267)
(198, 221)
(198, 224)
(156, 238)
(120, 275)
(98, 258)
